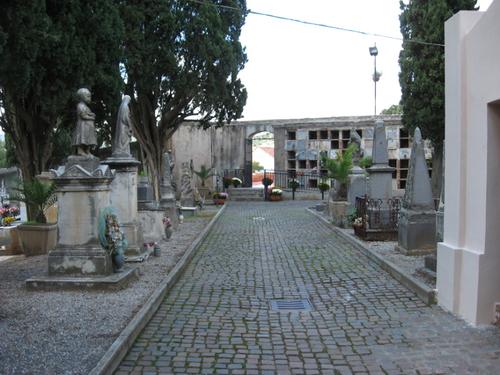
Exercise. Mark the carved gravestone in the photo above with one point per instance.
(187, 194)
(357, 178)
(167, 199)
(417, 222)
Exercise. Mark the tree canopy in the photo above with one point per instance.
(181, 60)
(422, 65)
(394, 109)
(49, 49)
(178, 60)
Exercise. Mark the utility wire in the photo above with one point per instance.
(320, 24)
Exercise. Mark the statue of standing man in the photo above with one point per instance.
(123, 130)
(84, 137)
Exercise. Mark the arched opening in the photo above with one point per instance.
(262, 156)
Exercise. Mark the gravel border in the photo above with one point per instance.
(68, 332)
(404, 268)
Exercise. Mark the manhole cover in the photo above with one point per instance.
(291, 305)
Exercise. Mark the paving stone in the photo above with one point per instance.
(217, 318)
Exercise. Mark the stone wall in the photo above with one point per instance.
(228, 148)
(468, 259)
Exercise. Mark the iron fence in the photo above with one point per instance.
(376, 215)
(282, 179)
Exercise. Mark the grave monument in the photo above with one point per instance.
(83, 188)
(357, 178)
(124, 184)
(380, 174)
(417, 219)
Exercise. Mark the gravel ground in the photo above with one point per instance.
(68, 332)
(411, 265)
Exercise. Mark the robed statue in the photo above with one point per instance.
(84, 136)
(123, 130)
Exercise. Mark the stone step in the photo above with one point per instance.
(246, 194)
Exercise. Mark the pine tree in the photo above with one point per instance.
(422, 70)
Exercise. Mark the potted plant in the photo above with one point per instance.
(266, 181)
(323, 186)
(236, 182)
(294, 185)
(226, 182)
(339, 170)
(276, 194)
(204, 174)
(37, 236)
(219, 198)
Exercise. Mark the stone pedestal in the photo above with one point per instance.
(151, 223)
(124, 200)
(81, 195)
(145, 194)
(416, 232)
(79, 261)
(338, 212)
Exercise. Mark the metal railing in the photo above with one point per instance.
(376, 214)
(306, 181)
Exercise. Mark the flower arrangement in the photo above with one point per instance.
(7, 211)
(358, 221)
(8, 220)
(276, 191)
(236, 181)
(8, 214)
(219, 195)
(167, 222)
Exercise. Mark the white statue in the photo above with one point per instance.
(123, 130)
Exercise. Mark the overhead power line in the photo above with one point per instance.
(339, 28)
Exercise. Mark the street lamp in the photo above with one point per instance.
(374, 52)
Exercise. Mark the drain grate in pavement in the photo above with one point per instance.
(291, 305)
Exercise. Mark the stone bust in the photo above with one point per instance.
(123, 130)
(84, 136)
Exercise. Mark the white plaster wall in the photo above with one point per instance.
(468, 278)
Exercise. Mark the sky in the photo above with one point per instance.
(302, 71)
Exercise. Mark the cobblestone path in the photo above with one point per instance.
(218, 318)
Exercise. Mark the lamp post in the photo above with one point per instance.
(374, 52)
